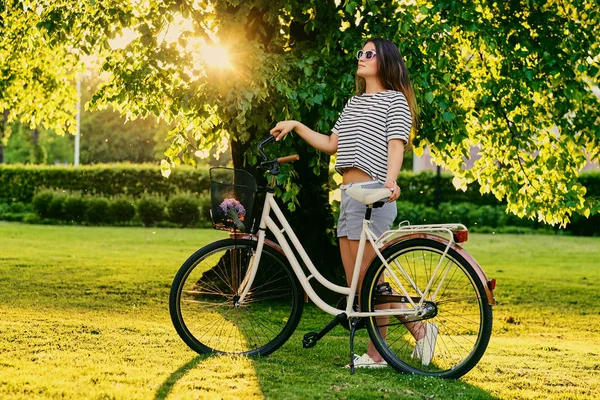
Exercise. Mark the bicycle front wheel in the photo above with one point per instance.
(451, 337)
(206, 287)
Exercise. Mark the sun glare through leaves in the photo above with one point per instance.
(180, 33)
(215, 56)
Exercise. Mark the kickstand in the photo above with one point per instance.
(353, 324)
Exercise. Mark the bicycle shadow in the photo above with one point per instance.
(165, 389)
(319, 372)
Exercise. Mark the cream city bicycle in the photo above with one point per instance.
(245, 294)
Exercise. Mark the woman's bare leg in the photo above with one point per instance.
(348, 251)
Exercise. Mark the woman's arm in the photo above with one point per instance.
(395, 158)
(324, 143)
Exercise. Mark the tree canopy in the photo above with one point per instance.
(514, 78)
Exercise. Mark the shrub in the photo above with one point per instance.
(19, 207)
(204, 203)
(56, 208)
(75, 207)
(151, 210)
(97, 210)
(581, 225)
(121, 210)
(516, 230)
(456, 213)
(488, 216)
(416, 214)
(41, 202)
(184, 210)
(31, 219)
(14, 211)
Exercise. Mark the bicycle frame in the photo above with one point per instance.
(266, 222)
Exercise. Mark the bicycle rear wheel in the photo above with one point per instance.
(205, 289)
(460, 313)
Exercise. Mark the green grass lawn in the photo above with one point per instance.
(84, 314)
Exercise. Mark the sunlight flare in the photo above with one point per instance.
(215, 56)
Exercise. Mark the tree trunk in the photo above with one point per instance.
(3, 129)
(312, 221)
(38, 153)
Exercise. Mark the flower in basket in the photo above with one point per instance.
(234, 211)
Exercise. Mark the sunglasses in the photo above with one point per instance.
(369, 54)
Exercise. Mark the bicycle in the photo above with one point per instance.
(245, 294)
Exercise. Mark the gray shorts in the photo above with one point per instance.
(352, 214)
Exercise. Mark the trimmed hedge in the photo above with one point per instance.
(191, 210)
(22, 182)
(477, 217)
(19, 183)
(420, 188)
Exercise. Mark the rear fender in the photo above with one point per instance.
(463, 253)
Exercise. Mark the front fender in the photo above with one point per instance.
(268, 242)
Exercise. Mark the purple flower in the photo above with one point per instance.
(234, 211)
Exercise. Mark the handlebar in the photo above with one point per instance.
(273, 165)
(292, 158)
(262, 144)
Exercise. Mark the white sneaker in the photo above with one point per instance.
(365, 361)
(426, 345)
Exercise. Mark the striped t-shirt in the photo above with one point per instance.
(366, 125)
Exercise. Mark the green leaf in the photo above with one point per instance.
(448, 116)
(350, 7)
(429, 97)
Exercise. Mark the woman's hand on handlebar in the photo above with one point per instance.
(283, 128)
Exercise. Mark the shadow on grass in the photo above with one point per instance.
(164, 389)
(293, 372)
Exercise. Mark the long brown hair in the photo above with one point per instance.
(392, 74)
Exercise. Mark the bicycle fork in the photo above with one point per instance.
(246, 283)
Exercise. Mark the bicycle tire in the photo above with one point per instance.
(463, 318)
(201, 301)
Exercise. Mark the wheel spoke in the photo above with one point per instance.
(206, 311)
(462, 318)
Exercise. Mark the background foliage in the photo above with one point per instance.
(425, 198)
(515, 78)
(21, 182)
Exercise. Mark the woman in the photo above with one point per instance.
(370, 137)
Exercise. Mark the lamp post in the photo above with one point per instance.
(77, 122)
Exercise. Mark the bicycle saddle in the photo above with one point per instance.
(368, 196)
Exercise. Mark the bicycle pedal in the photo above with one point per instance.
(310, 340)
(384, 288)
